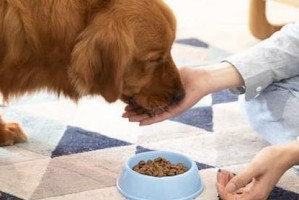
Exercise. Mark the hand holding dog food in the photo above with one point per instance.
(198, 82)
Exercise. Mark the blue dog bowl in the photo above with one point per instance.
(135, 186)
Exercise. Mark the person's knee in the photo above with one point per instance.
(268, 106)
(272, 114)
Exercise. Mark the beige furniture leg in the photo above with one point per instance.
(258, 23)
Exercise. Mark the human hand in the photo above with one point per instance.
(259, 178)
(198, 82)
(196, 86)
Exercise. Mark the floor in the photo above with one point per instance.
(76, 152)
(225, 23)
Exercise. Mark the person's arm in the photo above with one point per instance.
(272, 60)
(261, 175)
(198, 82)
(222, 76)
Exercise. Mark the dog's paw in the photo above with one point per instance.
(11, 133)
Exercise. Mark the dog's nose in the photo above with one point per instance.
(177, 97)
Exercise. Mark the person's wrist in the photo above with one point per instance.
(204, 81)
(223, 76)
(294, 152)
(290, 153)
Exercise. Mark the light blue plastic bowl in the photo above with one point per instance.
(135, 186)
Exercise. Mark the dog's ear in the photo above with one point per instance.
(99, 57)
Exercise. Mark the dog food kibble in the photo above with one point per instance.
(159, 167)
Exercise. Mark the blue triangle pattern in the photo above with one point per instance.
(77, 140)
(281, 194)
(202, 166)
(201, 117)
(193, 42)
(223, 96)
(140, 149)
(6, 196)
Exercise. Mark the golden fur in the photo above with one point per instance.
(119, 49)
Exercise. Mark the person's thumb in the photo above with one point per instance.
(241, 180)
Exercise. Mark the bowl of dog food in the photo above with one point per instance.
(159, 175)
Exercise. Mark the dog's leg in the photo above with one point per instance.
(11, 133)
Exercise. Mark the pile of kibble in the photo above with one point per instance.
(159, 167)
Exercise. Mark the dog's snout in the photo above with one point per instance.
(177, 97)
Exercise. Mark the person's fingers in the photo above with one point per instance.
(253, 191)
(129, 107)
(240, 191)
(223, 195)
(221, 191)
(242, 179)
(138, 118)
(128, 114)
(139, 114)
(223, 177)
(155, 119)
(133, 111)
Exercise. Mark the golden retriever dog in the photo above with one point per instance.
(119, 49)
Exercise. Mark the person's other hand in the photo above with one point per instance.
(196, 86)
(259, 178)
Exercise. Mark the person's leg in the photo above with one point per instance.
(274, 114)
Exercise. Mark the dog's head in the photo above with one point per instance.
(125, 53)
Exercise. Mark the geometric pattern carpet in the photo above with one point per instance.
(76, 151)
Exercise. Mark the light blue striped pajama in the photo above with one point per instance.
(271, 74)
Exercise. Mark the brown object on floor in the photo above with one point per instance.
(259, 25)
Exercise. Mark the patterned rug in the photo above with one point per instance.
(75, 152)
